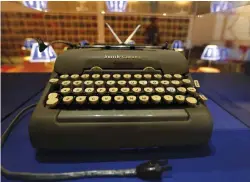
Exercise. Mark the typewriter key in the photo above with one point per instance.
(154, 82)
(165, 83)
(68, 99)
(99, 83)
(144, 99)
(77, 91)
(168, 99)
(136, 90)
(159, 90)
(156, 99)
(88, 83)
(177, 76)
(126, 76)
(175, 82)
(157, 76)
(53, 95)
(85, 76)
(65, 91)
(116, 76)
(106, 99)
(132, 83)
(80, 99)
(191, 90)
(119, 99)
(180, 99)
(75, 76)
(93, 99)
(64, 77)
(52, 102)
(111, 83)
(171, 90)
(191, 101)
(196, 84)
(121, 82)
(181, 90)
(106, 76)
(77, 83)
(147, 76)
(95, 76)
(148, 90)
(101, 91)
(89, 91)
(186, 81)
(125, 90)
(168, 76)
(137, 76)
(143, 82)
(203, 97)
(66, 83)
(53, 80)
(131, 99)
(113, 90)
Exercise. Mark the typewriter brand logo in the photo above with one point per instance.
(121, 57)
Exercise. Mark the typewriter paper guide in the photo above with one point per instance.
(76, 60)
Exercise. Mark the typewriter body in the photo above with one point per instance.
(112, 99)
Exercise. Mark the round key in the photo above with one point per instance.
(93, 99)
(74, 76)
(137, 76)
(157, 76)
(121, 83)
(148, 90)
(181, 90)
(66, 83)
(88, 83)
(110, 83)
(177, 76)
(168, 99)
(144, 99)
(119, 99)
(186, 81)
(143, 82)
(125, 90)
(64, 77)
(89, 91)
(168, 76)
(53, 80)
(106, 76)
(99, 83)
(136, 90)
(127, 76)
(101, 91)
(132, 83)
(106, 99)
(147, 76)
(131, 99)
(191, 101)
(80, 99)
(159, 90)
(171, 90)
(85, 76)
(52, 102)
(156, 99)
(154, 82)
(53, 95)
(95, 76)
(165, 83)
(77, 83)
(77, 91)
(191, 90)
(68, 99)
(116, 76)
(175, 82)
(113, 90)
(65, 91)
(180, 99)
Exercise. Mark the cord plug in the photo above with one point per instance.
(152, 170)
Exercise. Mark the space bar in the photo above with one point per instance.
(123, 115)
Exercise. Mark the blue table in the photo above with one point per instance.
(228, 161)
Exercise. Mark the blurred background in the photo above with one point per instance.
(214, 36)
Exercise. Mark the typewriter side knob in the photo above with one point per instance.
(96, 68)
(148, 69)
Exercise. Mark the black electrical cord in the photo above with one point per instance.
(150, 170)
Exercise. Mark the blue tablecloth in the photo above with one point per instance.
(229, 159)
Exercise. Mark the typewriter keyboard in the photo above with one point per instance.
(122, 90)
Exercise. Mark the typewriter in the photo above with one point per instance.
(115, 97)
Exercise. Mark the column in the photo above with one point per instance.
(100, 22)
